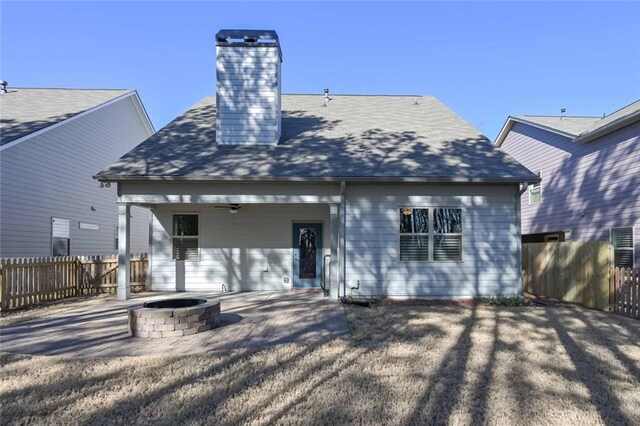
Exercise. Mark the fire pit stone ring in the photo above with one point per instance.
(173, 317)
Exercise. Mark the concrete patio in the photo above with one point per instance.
(248, 320)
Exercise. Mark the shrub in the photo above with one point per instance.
(507, 301)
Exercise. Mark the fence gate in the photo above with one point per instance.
(575, 272)
(625, 285)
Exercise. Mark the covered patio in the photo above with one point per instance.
(248, 320)
(240, 236)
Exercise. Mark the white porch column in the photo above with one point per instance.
(124, 252)
(334, 268)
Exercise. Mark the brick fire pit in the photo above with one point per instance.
(173, 318)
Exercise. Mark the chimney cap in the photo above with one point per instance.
(251, 38)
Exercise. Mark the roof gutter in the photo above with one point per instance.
(356, 179)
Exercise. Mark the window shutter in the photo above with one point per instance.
(414, 247)
(447, 247)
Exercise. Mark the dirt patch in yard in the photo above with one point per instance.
(405, 364)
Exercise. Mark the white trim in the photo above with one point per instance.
(142, 112)
(611, 127)
(229, 199)
(431, 234)
(633, 243)
(536, 186)
(60, 123)
(197, 237)
(506, 128)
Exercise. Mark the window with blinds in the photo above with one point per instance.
(185, 237)
(414, 234)
(622, 240)
(447, 234)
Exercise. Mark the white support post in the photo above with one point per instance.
(124, 251)
(334, 268)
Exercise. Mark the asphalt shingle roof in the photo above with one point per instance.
(622, 113)
(570, 125)
(24, 111)
(377, 137)
(581, 126)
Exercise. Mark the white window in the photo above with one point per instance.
(60, 241)
(535, 192)
(447, 232)
(430, 234)
(414, 234)
(185, 237)
(622, 240)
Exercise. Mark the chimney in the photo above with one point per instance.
(248, 88)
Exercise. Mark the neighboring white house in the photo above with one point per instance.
(251, 190)
(51, 143)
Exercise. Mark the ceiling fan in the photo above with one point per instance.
(232, 208)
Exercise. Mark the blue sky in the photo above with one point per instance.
(484, 60)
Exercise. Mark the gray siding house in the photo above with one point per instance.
(590, 178)
(386, 195)
(51, 143)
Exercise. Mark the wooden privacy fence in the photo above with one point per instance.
(625, 286)
(27, 281)
(576, 272)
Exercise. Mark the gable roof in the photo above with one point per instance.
(354, 137)
(24, 111)
(613, 121)
(580, 129)
(568, 125)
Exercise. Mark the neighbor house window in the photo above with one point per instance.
(535, 192)
(60, 240)
(622, 240)
(185, 237)
(414, 234)
(447, 234)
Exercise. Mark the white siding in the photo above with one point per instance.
(250, 250)
(248, 95)
(49, 175)
(491, 242)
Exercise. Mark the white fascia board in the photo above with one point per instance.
(511, 120)
(506, 128)
(228, 199)
(142, 111)
(75, 117)
(613, 126)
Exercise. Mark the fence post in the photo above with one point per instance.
(4, 293)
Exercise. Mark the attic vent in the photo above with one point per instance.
(327, 98)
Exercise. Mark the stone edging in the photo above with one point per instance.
(172, 322)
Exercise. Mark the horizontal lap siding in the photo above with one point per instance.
(490, 241)
(588, 188)
(50, 175)
(248, 95)
(235, 249)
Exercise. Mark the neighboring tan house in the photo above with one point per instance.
(590, 171)
(251, 190)
(51, 143)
